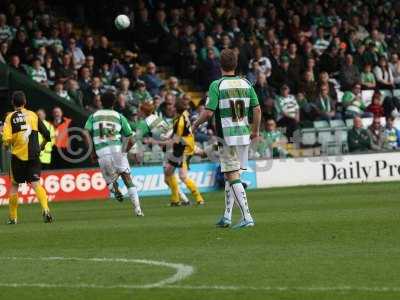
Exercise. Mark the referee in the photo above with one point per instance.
(20, 134)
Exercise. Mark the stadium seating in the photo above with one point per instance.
(331, 136)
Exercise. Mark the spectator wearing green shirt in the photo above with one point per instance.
(368, 81)
(326, 106)
(358, 138)
(105, 75)
(140, 94)
(378, 40)
(319, 19)
(208, 45)
(354, 104)
(272, 142)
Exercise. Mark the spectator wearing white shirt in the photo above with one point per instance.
(260, 17)
(321, 43)
(5, 30)
(37, 72)
(39, 40)
(77, 54)
(263, 62)
(288, 111)
(59, 89)
(383, 74)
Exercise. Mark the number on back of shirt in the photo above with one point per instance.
(237, 109)
(107, 130)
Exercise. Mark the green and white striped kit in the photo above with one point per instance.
(231, 98)
(107, 128)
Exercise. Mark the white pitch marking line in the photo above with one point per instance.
(211, 287)
(288, 289)
(182, 272)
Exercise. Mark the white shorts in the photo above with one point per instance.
(234, 158)
(112, 165)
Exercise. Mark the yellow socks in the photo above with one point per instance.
(173, 185)
(192, 186)
(13, 206)
(42, 197)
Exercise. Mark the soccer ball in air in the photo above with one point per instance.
(122, 22)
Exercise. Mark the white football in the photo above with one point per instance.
(122, 22)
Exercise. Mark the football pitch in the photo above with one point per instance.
(329, 242)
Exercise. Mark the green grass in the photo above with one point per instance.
(342, 240)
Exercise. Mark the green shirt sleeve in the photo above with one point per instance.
(212, 101)
(253, 98)
(125, 127)
(89, 124)
(348, 97)
(142, 129)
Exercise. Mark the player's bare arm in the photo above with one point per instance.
(204, 117)
(255, 133)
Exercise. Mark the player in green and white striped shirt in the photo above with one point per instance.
(107, 128)
(230, 101)
(159, 129)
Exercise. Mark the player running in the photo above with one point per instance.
(230, 100)
(106, 127)
(20, 133)
(183, 149)
(159, 130)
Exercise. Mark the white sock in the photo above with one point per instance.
(111, 188)
(239, 194)
(229, 201)
(183, 196)
(133, 195)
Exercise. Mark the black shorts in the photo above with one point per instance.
(178, 158)
(180, 162)
(25, 170)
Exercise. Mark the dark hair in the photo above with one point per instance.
(18, 98)
(181, 105)
(391, 118)
(108, 99)
(229, 60)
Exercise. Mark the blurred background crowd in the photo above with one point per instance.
(308, 60)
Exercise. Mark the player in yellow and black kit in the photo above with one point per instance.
(20, 133)
(183, 149)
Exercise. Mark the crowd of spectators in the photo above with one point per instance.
(308, 60)
(375, 138)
